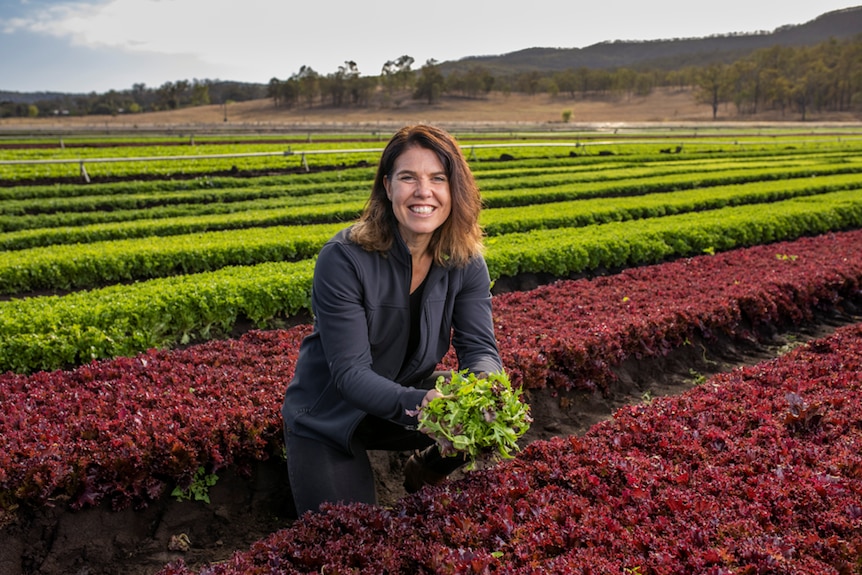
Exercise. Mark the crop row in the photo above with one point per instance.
(492, 175)
(615, 245)
(571, 183)
(755, 471)
(179, 139)
(695, 193)
(192, 139)
(172, 161)
(169, 161)
(69, 264)
(127, 429)
(51, 332)
(76, 227)
(75, 266)
(206, 181)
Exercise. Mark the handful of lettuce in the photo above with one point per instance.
(482, 417)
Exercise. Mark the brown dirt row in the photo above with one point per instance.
(496, 112)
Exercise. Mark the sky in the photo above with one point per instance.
(84, 46)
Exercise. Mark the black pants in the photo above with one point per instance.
(319, 472)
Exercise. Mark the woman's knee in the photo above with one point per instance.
(320, 473)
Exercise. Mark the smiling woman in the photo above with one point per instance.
(389, 295)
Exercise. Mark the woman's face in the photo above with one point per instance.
(419, 191)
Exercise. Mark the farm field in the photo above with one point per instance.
(681, 255)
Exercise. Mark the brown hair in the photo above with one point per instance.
(460, 236)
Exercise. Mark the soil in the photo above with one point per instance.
(100, 541)
(497, 111)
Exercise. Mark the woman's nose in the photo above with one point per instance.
(423, 188)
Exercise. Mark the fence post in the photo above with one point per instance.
(84, 173)
(304, 162)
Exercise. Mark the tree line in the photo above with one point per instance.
(797, 80)
(140, 98)
(824, 77)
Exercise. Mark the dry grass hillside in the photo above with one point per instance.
(496, 111)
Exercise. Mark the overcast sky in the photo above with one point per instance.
(99, 45)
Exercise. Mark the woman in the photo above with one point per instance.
(389, 294)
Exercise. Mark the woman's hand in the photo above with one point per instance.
(431, 395)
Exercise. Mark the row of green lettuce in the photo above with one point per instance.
(535, 173)
(511, 169)
(189, 136)
(69, 266)
(53, 332)
(32, 222)
(204, 159)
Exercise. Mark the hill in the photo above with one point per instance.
(668, 53)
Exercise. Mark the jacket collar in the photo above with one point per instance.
(399, 248)
(401, 253)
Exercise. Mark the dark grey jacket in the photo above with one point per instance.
(351, 364)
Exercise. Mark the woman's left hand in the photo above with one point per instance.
(430, 396)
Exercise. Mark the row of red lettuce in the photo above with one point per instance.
(756, 471)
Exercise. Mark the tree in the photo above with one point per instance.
(333, 85)
(624, 81)
(398, 74)
(528, 82)
(712, 86)
(356, 87)
(283, 93)
(567, 82)
(475, 82)
(548, 86)
(200, 93)
(744, 77)
(808, 83)
(774, 64)
(851, 57)
(431, 83)
(839, 59)
(168, 95)
(273, 90)
(290, 92)
(309, 84)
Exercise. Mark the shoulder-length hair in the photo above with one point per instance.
(460, 237)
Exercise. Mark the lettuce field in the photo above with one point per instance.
(153, 295)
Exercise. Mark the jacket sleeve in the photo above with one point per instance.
(473, 325)
(340, 312)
